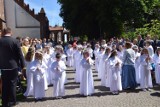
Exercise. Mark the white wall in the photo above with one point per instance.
(21, 23)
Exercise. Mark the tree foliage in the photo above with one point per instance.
(152, 28)
(100, 18)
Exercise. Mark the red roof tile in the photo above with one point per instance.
(56, 28)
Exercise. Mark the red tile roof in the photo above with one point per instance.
(56, 28)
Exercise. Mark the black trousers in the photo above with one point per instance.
(9, 83)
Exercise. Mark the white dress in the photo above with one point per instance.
(90, 50)
(29, 74)
(114, 76)
(70, 57)
(63, 58)
(50, 81)
(103, 70)
(137, 67)
(59, 76)
(96, 51)
(74, 58)
(146, 79)
(101, 63)
(87, 83)
(48, 76)
(78, 73)
(150, 50)
(120, 55)
(46, 58)
(38, 78)
(156, 61)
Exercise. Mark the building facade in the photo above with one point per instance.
(23, 21)
(59, 33)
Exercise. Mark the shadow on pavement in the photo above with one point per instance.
(156, 94)
(70, 78)
(101, 88)
(71, 87)
(131, 90)
(72, 83)
(70, 72)
(95, 75)
(97, 79)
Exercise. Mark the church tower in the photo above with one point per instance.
(44, 24)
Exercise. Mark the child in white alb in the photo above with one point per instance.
(59, 76)
(38, 68)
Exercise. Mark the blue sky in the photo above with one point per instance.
(52, 9)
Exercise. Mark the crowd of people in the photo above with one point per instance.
(121, 64)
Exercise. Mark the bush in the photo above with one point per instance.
(129, 35)
(152, 28)
(84, 38)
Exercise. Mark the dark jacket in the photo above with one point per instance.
(141, 43)
(11, 56)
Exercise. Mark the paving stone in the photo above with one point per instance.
(101, 98)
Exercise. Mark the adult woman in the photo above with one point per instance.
(128, 69)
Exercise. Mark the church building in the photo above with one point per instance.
(22, 20)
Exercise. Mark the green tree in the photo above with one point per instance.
(100, 18)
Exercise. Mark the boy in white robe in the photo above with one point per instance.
(101, 61)
(86, 84)
(137, 64)
(96, 51)
(78, 58)
(90, 50)
(156, 61)
(70, 56)
(145, 68)
(150, 48)
(104, 71)
(114, 67)
(47, 61)
(63, 55)
(74, 57)
(59, 75)
(38, 68)
(48, 58)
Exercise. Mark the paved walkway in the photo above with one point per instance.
(101, 98)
